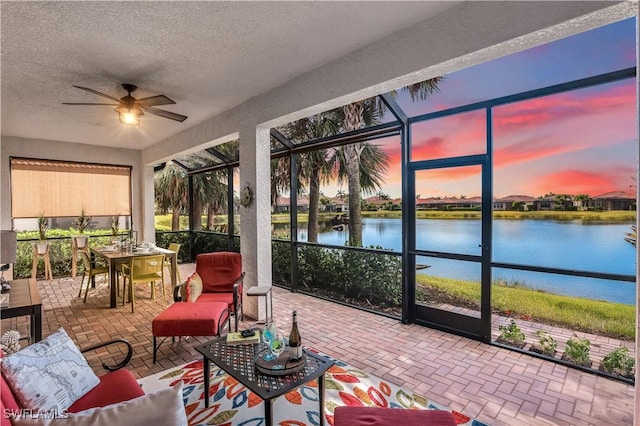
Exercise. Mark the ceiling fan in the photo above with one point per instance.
(130, 109)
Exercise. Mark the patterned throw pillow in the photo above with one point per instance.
(49, 375)
(192, 288)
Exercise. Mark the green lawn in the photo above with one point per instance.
(592, 316)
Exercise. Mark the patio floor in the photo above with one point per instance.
(495, 385)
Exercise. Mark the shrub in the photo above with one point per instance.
(577, 351)
(546, 344)
(511, 335)
(618, 362)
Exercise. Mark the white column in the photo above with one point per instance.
(146, 227)
(255, 219)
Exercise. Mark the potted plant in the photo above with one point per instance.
(577, 351)
(545, 345)
(82, 223)
(511, 335)
(115, 225)
(43, 227)
(618, 362)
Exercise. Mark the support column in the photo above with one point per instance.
(146, 227)
(255, 217)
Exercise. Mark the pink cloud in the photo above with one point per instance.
(573, 181)
(555, 108)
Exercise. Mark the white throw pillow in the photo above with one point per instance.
(164, 408)
(49, 375)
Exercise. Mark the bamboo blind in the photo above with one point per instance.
(59, 189)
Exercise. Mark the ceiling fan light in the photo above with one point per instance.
(129, 116)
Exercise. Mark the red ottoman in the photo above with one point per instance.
(375, 416)
(189, 319)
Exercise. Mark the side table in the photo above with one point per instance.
(24, 299)
(265, 291)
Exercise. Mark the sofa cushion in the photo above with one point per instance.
(376, 416)
(114, 387)
(164, 407)
(49, 375)
(8, 403)
(192, 288)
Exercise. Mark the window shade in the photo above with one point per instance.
(59, 189)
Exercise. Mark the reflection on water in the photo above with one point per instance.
(590, 246)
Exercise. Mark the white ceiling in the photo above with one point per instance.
(207, 56)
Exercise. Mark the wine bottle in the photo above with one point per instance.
(295, 343)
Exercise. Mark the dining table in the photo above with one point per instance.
(117, 256)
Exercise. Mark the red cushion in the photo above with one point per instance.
(375, 416)
(189, 319)
(217, 298)
(7, 402)
(219, 270)
(114, 387)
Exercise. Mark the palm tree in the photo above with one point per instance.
(170, 186)
(315, 167)
(354, 119)
(584, 200)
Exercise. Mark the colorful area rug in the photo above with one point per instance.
(232, 404)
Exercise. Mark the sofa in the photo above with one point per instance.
(115, 386)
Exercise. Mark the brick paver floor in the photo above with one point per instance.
(496, 385)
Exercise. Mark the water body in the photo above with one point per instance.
(578, 245)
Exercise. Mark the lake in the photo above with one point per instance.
(585, 246)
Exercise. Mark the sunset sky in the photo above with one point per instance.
(574, 142)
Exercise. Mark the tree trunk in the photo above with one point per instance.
(353, 120)
(175, 218)
(197, 209)
(314, 205)
(211, 216)
(355, 211)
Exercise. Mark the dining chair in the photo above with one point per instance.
(143, 269)
(90, 271)
(167, 261)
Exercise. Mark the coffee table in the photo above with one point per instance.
(239, 362)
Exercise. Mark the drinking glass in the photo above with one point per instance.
(268, 333)
(277, 347)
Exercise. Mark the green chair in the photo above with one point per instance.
(167, 262)
(143, 269)
(90, 271)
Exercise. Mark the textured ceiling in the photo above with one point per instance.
(207, 56)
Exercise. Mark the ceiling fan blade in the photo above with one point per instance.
(83, 103)
(97, 93)
(155, 100)
(165, 114)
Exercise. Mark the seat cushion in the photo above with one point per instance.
(376, 416)
(217, 298)
(164, 408)
(116, 386)
(8, 402)
(189, 319)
